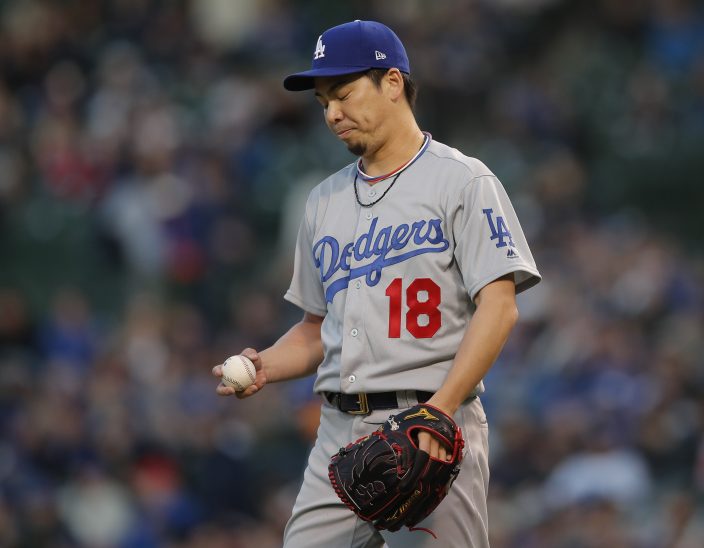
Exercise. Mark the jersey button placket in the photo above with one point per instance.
(354, 339)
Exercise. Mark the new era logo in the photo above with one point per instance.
(379, 55)
(511, 253)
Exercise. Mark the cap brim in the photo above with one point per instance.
(305, 80)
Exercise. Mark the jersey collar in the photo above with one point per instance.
(398, 170)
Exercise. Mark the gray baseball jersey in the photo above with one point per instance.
(395, 281)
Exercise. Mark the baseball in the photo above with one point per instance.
(238, 372)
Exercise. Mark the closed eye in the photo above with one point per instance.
(339, 91)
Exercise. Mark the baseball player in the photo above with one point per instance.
(406, 268)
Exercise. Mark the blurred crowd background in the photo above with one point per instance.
(152, 171)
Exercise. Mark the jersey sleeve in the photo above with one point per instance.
(306, 289)
(489, 240)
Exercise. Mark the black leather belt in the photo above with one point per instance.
(365, 403)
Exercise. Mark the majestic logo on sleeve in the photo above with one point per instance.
(377, 250)
(499, 231)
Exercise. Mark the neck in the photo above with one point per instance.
(402, 144)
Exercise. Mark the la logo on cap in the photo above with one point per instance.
(319, 48)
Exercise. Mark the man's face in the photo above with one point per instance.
(354, 109)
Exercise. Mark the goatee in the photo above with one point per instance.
(358, 149)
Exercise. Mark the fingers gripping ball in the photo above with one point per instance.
(238, 372)
(385, 479)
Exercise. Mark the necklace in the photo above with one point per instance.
(370, 204)
(395, 173)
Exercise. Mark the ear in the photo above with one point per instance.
(393, 84)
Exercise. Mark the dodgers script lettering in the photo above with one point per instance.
(379, 248)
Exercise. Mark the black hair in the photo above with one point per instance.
(410, 89)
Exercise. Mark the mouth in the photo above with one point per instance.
(344, 133)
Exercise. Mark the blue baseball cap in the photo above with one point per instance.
(349, 48)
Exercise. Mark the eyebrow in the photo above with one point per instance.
(335, 86)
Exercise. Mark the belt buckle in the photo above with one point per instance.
(363, 405)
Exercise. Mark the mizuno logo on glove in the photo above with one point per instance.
(423, 413)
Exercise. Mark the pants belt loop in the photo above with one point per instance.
(406, 398)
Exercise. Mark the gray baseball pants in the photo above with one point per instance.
(321, 520)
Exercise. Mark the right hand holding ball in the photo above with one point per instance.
(238, 372)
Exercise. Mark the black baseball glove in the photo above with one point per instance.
(385, 479)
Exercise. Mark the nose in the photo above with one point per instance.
(333, 114)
